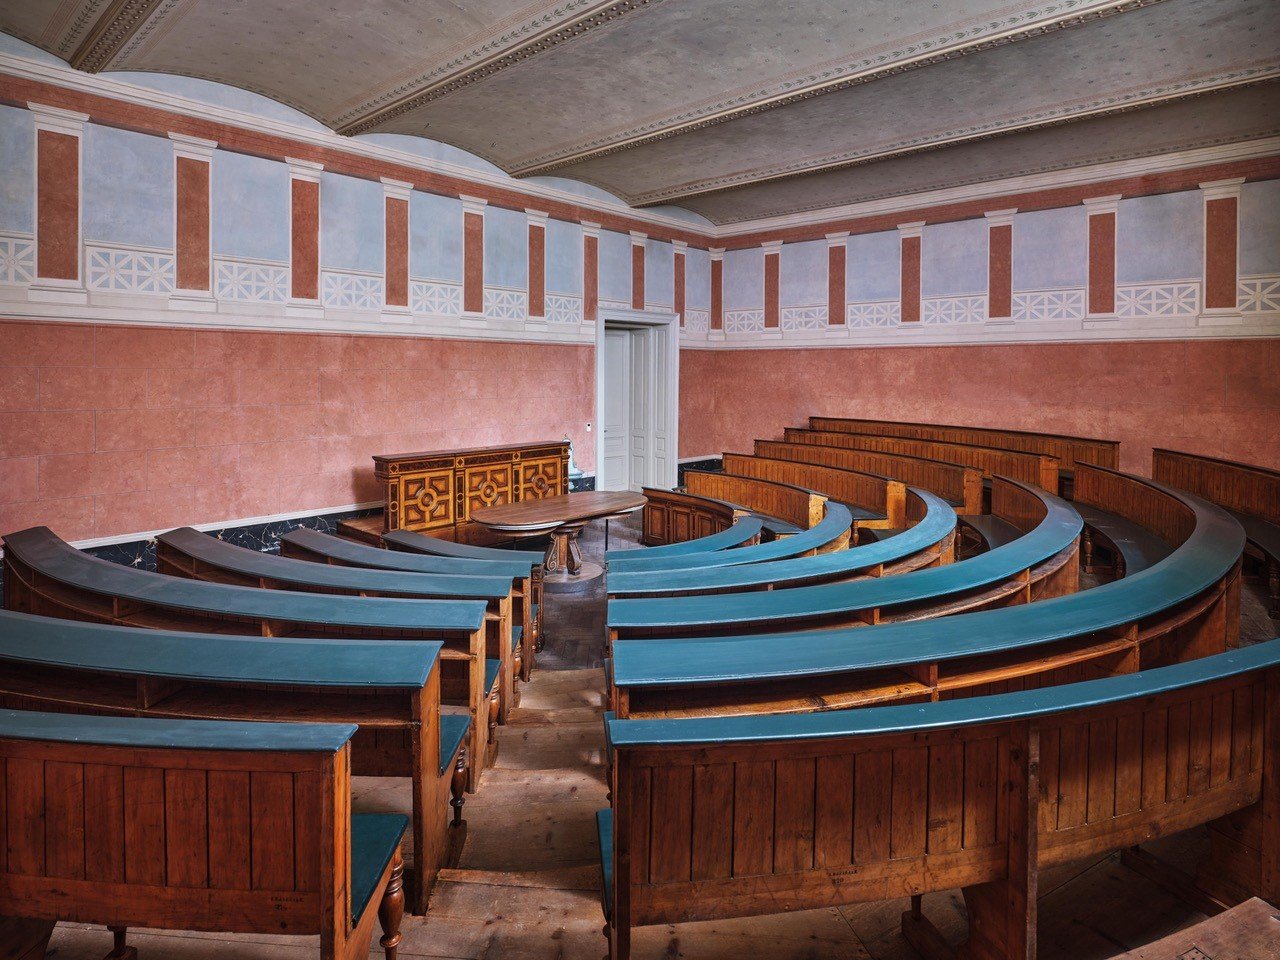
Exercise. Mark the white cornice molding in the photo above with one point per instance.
(192, 148)
(638, 238)
(716, 253)
(680, 247)
(1000, 218)
(1222, 189)
(474, 205)
(1098, 205)
(771, 247)
(838, 239)
(913, 229)
(308, 170)
(590, 229)
(536, 218)
(58, 120)
(396, 189)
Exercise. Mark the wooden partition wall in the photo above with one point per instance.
(883, 499)
(672, 516)
(782, 501)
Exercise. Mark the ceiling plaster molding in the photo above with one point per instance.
(830, 79)
(1106, 107)
(114, 28)
(491, 57)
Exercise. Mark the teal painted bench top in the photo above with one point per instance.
(742, 530)
(836, 522)
(176, 734)
(374, 840)
(943, 714)
(862, 513)
(453, 730)
(1057, 531)
(1209, 553)
(1139, 546)
(938, 521)
(1261, 533)
(215, 658)
(227, 556)
(421, 543)
(45, 553)
(378, 558)
(995, 531)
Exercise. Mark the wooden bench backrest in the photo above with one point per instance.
(1236, 486)
(865, 490)
(950, 481)
(179, 837)
(671, 516)
(782, 501)
(1020, 506)
(1135, 499)
(1068, 449)
(1028, 467)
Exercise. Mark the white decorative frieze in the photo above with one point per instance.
(17, 259)
(345, 290)
(743, 321)
(250, 281)
(563, 308)
(1169, 299)
(437, 298)
(505, 303)
(1065, 304)
(936, 310)
(1259, 295)
(812, 316)
(873, 313)
(697, 321)
(121, 269)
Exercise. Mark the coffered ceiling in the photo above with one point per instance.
(736, 109)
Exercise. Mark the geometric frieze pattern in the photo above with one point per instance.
(697, 321)
(562, 308)
(351, 291)
(505, 303)
(743, 321)
(1259, 295)
(812, 316)
(17, 259)
(1065, 304)
(437, 298)
(873, 313)
(1158, 299)
(128, 270)
(250, 281)
(937, 310)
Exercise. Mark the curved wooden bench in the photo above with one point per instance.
(1250, 493)
(1040, 563)
(44, 575)
(229, 827)
(959, 486)
(674, 517)
(738, 816)
(526, 583)
(1032, 468)
(834, 529)
(390, 689)
(797, 506)
(415, 542)
(876, 502)
(927, 543)
(1185, 607)
(1134, 520)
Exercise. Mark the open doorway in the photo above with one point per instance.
(637, 390)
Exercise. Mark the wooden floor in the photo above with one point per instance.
(528, 884)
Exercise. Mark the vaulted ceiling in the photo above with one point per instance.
(736, 109)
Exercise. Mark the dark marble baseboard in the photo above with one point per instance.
(585, 482)
(711, 463)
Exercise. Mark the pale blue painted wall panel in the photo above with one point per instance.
(18, 162)
(1260, 228)
(744, 279)
(615, 266)
(1050, 249)
(249, 207)
(659, 272)
(697, 279)
(352, 235)
(218, 95)
(435, 237)
(506, 248)
(1160, 238)
(564, 258)
(873, 266)
(127, 194)
(953, 259)
(802, 270)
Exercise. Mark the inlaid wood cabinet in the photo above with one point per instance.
(435, 491)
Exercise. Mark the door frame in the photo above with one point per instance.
(621, 316)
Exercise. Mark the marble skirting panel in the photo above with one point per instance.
(711, 463)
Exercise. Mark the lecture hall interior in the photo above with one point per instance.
(640, 479)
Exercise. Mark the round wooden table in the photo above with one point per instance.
(562, 517)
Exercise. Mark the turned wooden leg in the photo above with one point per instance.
(495, 707)
(391, 910)
(1086, 544)
(120, 951)
(458, 787)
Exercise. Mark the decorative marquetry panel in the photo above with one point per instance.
(540, 478)
(426, 500)
(486, 486)
(17, 259)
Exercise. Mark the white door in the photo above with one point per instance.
(615, 471)
(641, 413)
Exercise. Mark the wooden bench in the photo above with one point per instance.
(795, 506)
(1041, 562)
(185, 552)
(959, 486)
(1034, 468)
(415, 542)
(46, 576)
(1183, 608)
(739, 816)
(228, 827)
(876, 502)
(834, 529)
(526, 576)
(390, 689)
(1251, 494)
(925, 544)
(1132, 517)
(674, 522)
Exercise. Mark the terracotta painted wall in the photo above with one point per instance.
(1217, 397)
(111, 430)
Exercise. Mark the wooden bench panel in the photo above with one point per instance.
(784, 501)
(879, 496)
(674, 516)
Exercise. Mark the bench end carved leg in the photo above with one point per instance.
(391, 910)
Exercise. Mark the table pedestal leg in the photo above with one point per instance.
(565, 570)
